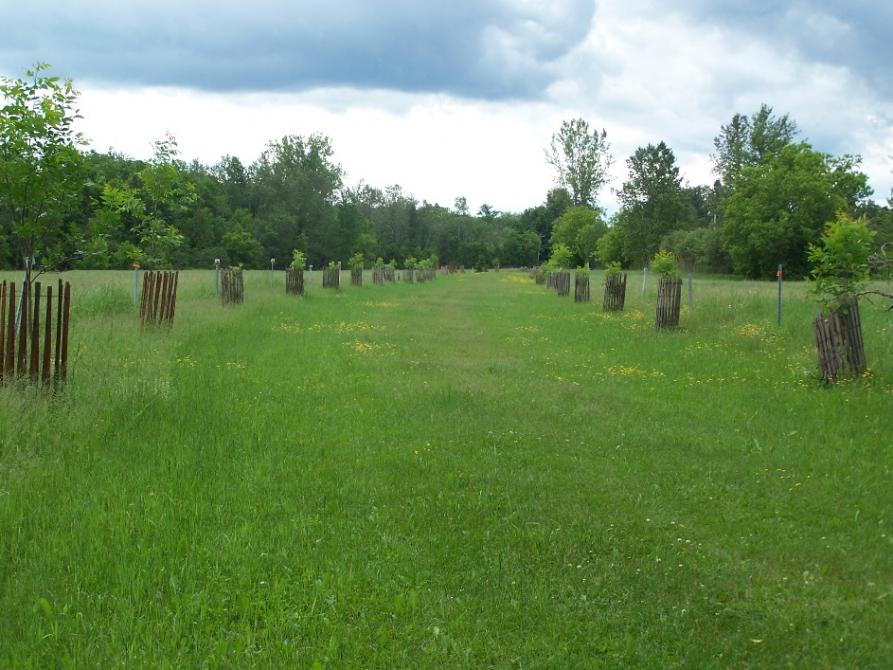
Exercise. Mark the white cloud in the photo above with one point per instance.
(643, 73)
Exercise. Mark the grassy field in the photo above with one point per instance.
(470, 473)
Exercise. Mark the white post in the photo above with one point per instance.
(217, 276)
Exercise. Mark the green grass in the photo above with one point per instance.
(469, 473)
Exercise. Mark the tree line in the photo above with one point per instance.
(68, 207)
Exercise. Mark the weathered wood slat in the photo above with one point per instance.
(669, 299)
(48, 338)
(581, 287)
(840, 346)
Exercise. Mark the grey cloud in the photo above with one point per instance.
(853, 34)
(489, 49)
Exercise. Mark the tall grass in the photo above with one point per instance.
(467, 473)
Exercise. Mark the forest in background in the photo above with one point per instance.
(69, 207)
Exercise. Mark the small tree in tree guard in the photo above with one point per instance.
(158, 302)
(581, 285)
(669, 290)
(294, 274)
(21, 355)
(356, 269)
(615, 288)
(840, 269)
(232, 287)
(294, 281)
(563, 282)
(331, 276)
(378, 272)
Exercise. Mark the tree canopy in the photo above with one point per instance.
(85, 209)
(582, 159)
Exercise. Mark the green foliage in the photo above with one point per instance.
(665, 264)
(699, 249)
(40, 165)
(410, 263)
(613, 268)
(840, 262)
(582, 160)
(779, 207)
(561, 259)
(356, 261)
(579, 229)
(243, 249)
(298, 259)
(610, 247)
(653, 202)
(748, 141)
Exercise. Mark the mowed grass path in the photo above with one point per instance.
(470, 473)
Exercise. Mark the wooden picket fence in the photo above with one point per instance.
(669, 300)
(581, 287)
(615, 293)
(294, 281)
(409, 275)
(388, 273)
(839, 343)
(378, 276)
(356, 276)
(158, 302)
(232, 286)
(21, 356)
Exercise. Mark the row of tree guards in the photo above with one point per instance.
(614, 297)
(30, 350)
(838, 332)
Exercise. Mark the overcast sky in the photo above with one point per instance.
(461, 98)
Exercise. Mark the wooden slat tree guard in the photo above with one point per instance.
(615, 293)
(562, 282)
(409, 275)
(22, 358)
(669, 299)
(839, 343)
(158, 302)
(581, 287)
(232, 287)
(331, 277)
(378, 276)
(294, 281)
(356, 276)
(389, 274)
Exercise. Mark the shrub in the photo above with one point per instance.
(613, 268)
(665, 264)
(840, 262)
(298, 259)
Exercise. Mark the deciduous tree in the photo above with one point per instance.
(582, 159)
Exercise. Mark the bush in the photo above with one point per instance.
(840, 262)
(298, 259)
(665, 264)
